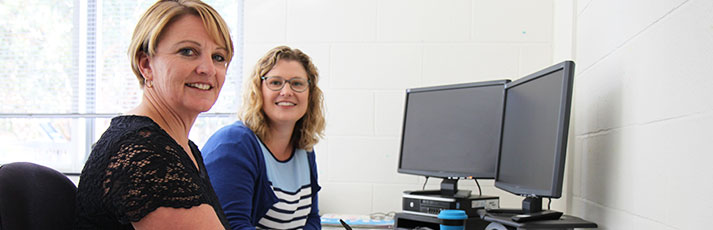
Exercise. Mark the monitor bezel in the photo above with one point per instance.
(444, 173)
(555, 190)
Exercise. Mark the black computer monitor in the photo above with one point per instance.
(533, 138)
(451, 132)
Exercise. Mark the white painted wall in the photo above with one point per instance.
(639, 151)
(369, 51)
(643, 114)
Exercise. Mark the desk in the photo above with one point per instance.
(489, 221)
(411, 221)
(565, 222)
(355, 228)
(331, 221)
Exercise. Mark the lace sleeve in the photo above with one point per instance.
(146, 174)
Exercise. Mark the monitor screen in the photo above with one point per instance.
(451, 131)
(534, 132)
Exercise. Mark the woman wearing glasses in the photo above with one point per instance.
(263, 167)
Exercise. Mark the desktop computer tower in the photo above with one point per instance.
(430, 203)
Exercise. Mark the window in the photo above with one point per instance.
(66, 72)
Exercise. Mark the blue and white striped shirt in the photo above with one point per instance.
(290, 181)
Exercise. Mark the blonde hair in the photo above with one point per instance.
(151, 25)
(309, 129)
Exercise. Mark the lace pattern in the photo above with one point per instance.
(135, 168)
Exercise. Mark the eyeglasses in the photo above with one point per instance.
(277, 83)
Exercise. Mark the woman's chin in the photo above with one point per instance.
(201, 108)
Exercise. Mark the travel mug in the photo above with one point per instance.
(452, 219)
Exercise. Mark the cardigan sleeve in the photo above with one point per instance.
(233, 170)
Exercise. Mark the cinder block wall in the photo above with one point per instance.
(643, 116)
(369, 52)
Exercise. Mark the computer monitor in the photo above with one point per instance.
(533, 138)
(451, 131)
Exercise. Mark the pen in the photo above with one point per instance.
(346, 226)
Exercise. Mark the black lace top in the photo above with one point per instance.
(134, 168)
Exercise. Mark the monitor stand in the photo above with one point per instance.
(449, 188)
(431, 202)
(531, 211)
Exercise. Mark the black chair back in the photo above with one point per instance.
(33, 196)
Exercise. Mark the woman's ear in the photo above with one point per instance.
(145, 67)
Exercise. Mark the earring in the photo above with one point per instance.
(148, 83)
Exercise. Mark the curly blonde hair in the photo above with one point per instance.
(310, 128)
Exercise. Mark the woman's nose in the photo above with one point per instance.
(206, 66)
(286, 89)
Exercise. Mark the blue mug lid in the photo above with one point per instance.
(450, 214)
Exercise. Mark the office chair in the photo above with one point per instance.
(35, 197)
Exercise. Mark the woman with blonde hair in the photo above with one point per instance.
(263, 167)
(144, 172)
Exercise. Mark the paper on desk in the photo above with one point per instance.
(355, 221)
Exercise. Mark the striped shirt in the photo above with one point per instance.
(290, 181)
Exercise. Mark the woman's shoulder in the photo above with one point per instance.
(134, 139)
(132, 122)
(235, 131)
(130, 125)
(139, 129)
(124, 129)
(235, 135)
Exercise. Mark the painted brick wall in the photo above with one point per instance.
(369, 52)
(643, 114)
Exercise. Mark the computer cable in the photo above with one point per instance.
(480, 193)
(424, 184)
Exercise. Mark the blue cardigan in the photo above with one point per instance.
(236, 168)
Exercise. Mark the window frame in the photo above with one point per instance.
(86, 21)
